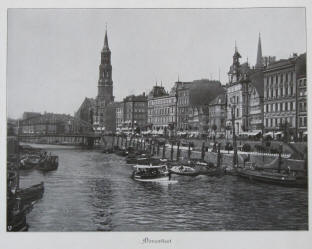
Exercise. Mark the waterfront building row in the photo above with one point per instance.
(268, 96)
(262, 98)
(131, 113)
(52, 123)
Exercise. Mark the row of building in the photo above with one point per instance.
(261, 98)
(163, 111)
(48, 123)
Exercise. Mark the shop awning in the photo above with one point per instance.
(268, 134)
(254, 133)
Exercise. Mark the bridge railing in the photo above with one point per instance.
(89, 134)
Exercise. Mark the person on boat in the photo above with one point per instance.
(169, 174)
(288, 170)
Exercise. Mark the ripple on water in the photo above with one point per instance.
(92, 191)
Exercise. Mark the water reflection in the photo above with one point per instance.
(92, 191)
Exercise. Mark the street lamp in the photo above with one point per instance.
(233, 133)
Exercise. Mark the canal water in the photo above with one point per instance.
(92, 191)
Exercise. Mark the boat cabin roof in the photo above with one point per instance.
(149, 166)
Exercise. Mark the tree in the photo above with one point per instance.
(202, 92)
(137, 130)
(214, 127)
(228, 128)
(285, 127)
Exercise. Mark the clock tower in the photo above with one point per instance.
(105, 84)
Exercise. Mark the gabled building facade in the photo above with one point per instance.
(86, 110)
(217, 114)
(245, 95)
(237, 94)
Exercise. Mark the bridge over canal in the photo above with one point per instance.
(85, 139)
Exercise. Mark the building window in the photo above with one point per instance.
(305, 121)
(305, 106)
(300, 106)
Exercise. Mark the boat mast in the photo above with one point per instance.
(18, 159)
(280, 158)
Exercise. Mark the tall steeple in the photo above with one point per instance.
(259, 62)
(105, 47)
(105, 82)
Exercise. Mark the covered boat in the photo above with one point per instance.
(150, 173)
(184, 170)
(208, 168)
(286, 178)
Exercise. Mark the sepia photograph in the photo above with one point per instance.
(157, 120)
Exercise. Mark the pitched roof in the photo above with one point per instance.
(259, 62)
(280, 63)
(301, 65)
(257, 80)
(135, 98)
(220, 99)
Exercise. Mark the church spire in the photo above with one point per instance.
(259, 62)
(106, 47)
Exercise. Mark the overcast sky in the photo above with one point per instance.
(54, 54)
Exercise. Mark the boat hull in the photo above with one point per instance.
(32, 193)
(158, 179)
(278, 179)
